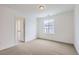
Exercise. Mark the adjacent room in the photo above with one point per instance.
(39, 29)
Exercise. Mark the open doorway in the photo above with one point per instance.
(20, 29)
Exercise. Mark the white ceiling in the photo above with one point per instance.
(33, 8)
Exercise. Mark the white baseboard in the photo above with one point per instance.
(28, 40)
(76, 48)
(55, 41)
(7, 47)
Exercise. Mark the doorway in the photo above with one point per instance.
(20, 29)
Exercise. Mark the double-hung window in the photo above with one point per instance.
(49, 26)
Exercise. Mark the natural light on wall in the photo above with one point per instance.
(49, 26)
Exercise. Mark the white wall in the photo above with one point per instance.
(76, 41)
(63, 25)
(7, 27)
(30, 28)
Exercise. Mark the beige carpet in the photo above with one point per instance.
(40, 47)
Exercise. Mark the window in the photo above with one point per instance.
(49, 26)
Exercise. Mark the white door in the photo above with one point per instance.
(20, 29)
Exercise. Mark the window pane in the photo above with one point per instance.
(49, 26)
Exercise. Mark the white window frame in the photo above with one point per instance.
(49, 26)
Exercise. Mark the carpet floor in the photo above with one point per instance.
(40, 47)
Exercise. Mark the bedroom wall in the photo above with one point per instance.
(63, 28)
(30, 32)
(76, 23)
(7, 27)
